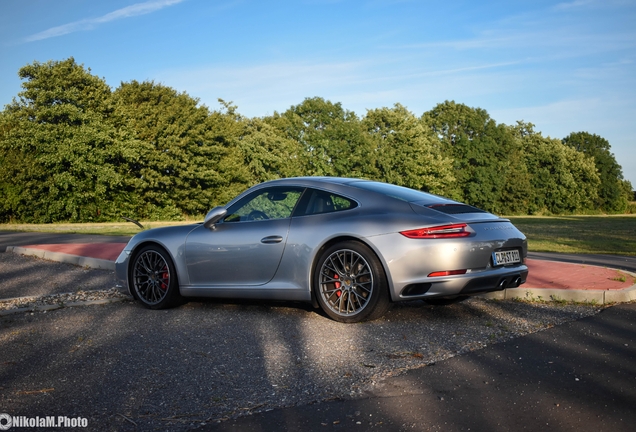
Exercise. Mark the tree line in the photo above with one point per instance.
(73, 149)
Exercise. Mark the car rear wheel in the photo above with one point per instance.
(350, 283)
(154, 279)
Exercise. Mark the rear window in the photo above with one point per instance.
(399, 192)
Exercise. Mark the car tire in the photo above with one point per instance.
(445, 301)
(350, 283)
(153, 278)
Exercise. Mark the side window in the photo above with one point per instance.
(327, 202)
(270, 203)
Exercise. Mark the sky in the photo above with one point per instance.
(565, 66)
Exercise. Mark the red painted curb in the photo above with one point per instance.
(559, 275)
(105, 251)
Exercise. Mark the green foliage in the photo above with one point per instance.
(73, 150)
(331, 139)
(517, 192)
(176, 154)
(265, 153)
(487, 160)
(564, 180)
(406, 153)
(613, 191)
(60, 157)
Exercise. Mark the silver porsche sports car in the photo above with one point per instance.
(349, 246)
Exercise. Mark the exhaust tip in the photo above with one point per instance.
(502, 284)
(516, 282)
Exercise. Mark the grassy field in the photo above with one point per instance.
(580, 234)
(112, 228)
(566, 234)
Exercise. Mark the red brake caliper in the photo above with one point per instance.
(164, 275)
(337, 284)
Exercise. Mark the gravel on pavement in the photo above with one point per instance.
(25, 276)
(124, 367)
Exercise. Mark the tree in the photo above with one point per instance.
(72, 149)
(517, 193)
(331, 137)
(265, 153)
(611, 192)
(61, 159)
(486, 158)
(406, 153)
(175, 171)
(564, 180)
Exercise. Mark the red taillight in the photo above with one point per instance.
(442, 231)
(447, 273)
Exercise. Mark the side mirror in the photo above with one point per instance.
(213, 216)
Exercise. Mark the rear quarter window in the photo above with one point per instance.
(319, 202)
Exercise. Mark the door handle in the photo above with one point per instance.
(272, 239)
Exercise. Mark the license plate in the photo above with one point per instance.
(506, 257)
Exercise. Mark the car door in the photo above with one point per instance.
(246, 247)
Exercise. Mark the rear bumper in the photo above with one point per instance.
(413, 265)
(467, 284)
(494, 283)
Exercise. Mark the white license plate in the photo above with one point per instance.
(506, 257)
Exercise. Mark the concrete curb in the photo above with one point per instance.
(77, 260)
(45, 308)
(579, 296)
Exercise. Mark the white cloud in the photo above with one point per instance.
(562, 117)
(88, 24)
(574, 4)
(358, 84)
(564, 41)
(259, 86)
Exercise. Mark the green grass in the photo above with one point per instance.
(614, 234)
(566, 234)
(106, 228)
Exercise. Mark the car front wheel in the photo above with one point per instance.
(153, 278)
(350, 283)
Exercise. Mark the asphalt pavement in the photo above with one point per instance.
(470, 365)
(579, 376)
(128, 368)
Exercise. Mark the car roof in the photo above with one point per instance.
(374, 188)
(315, 180)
